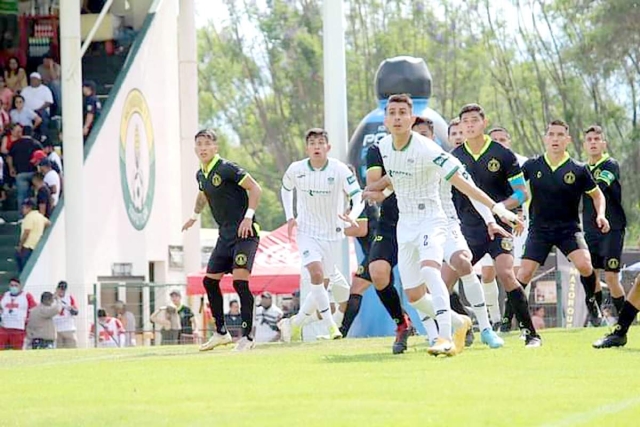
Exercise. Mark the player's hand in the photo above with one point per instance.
(291, 224)
(603, 224)
(380, 184)
(373, 196)
(187, 225)
(246, 228)
(346, 218)
(496, 230)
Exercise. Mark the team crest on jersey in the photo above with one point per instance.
(613, 263)
(506, 244)
(411, 161)
(596, 173)
(330, 180)
(538, 174)
(569, 178)
(493, 165)
(241, 259)
(216, 180)
(305, 253)
(360, 269)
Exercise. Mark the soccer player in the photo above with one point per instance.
(502, 136)
(457, 255)
(605, 250)
(415, 166)
(233, 197)
(557, 183)
(627, 314)
(321, 184)
(456, 137)
(496, 171)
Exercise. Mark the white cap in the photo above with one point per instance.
(35, 76)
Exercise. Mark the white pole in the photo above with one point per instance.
(335, 92)
(188, 69)
(73, 146)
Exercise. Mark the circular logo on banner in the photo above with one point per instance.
(569, 178)
(137, 159)
(493, 165)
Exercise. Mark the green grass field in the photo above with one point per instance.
(354, 382)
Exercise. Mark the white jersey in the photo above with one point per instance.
(321, 196)
(15, 309)
(446, 198)
(267, 323)
(415, 173)
(110, 333)
(64, 321)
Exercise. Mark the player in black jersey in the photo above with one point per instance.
(627, 314)
(605, 249)
(233, 197)
(557, 183)
(496, 171)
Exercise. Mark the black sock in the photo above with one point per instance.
(618, 303)
(627, 315)
(353, 308)
(391, 301)
(456, 304)
(246, 306)
(212, 286)
(598, 296)
(507, 317)
(589, 284)
(518, 301)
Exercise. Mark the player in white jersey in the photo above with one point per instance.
(457, 254)
(321, 184)
(415, 165)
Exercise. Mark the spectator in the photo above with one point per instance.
(51, 178)
(65, 324)
(32, 228)
(267, 317)
(14, 76)
(23, 115)
(43, 195)
(14, 134)
(110, 331)
(56, 161)
(14, 309)
(6, 97)
(50, 72)
(38, 98)
(169, 321)
(128, 321)
(41, 330)
(188, 326)
(538, 318)
(92, 107)
(20, 165)
(233, 321)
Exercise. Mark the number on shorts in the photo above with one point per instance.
(426, 240)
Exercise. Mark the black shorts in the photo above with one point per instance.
(384, 245)
(480, 244)
(540, 242)
(605, 249)
(363, 269)
(232, 253)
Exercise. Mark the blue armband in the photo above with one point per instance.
(517, 183)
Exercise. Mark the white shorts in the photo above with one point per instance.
(455, 242)
(323, 251)
(419, 240)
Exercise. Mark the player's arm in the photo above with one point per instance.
(286, 194)
(360, 230)
(234, 173)
(599, 201)
(517, 182)
(608, 176)
(254, 192)
(379, 185)
(483, 210)
(201, 201)
(352, 189)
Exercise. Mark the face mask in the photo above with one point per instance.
(14, 290)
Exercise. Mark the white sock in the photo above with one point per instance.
(322, 301)
(475, 295)
(431, 327)
(339, 287)
(338, 316)
(307, 311)
(440, 295)
(424, 307)
(491, 293)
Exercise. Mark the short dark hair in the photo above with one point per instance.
(498, 129)
(595, 129)
(454, 122)
(400, 98)
(315, 132)
(46, 296)
(233, 301)
(421, 120)
(14, 279)
(38, 176)
(176, 293)
(558, 122)
(102, 312)
(472, 108)
(207, 133)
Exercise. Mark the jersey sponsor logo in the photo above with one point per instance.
(378, 238)
(216, 180)
(569, 178)
(493, 165)
(137, 159)
(506, 244)
(441, 159)
(300, 176)
(241, 260)
(319, 192)
(613, 263)
(394, 173)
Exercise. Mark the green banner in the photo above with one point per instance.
(9, 7)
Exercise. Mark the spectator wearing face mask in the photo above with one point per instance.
(14, 310)
(41, 330)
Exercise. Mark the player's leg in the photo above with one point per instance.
(490, 288)
(628, 313)
(574, 247)
(220, 262)
(612, 246)
(244, 254)
(360, 283)
(339, 289)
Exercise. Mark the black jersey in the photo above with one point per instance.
(221, 184)
(556, 192)
(606, 173)
(389, 207)
(492, 170)
(369, 214)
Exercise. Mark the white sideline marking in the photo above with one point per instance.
(584, 417)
